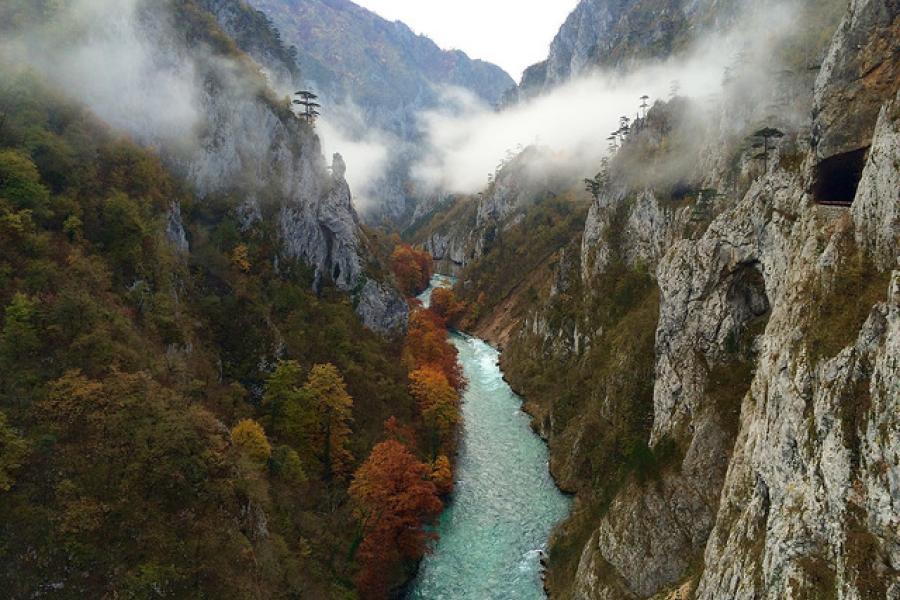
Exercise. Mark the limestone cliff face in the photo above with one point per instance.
(470, 233)
(792, 491)
(250, 145)
(618, 34)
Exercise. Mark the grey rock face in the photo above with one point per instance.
(449, 250)
(382, 308)
(878, 222)
(576, 43)
(175, 228)
(799, 499)
(860, 68)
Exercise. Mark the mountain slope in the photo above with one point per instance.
(711, 355)
(157, 261)
(356, 59)
(388, 70)
(622, 34)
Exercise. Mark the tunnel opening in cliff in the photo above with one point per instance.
(836, 178)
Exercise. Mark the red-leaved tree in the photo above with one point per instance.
(427, 344)
(394, 497)
(412, 268)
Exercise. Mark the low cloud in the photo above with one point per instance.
(466, 138)
(366, 150)
(96, 51)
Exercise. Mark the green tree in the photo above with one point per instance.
(20, 340)
(286, 464)
(283, 389)
(13, 450)
(20, 183)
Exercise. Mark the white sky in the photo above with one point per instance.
(511, 33)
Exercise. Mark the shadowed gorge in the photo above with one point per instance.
(295, 303)
(493, 533)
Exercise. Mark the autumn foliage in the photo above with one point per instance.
(442, 474)
(333, 406)
(447, 306)
(438, 405)
(395, 497)
(249, 436)
(426, 344)
(394, 493)
(412, 268)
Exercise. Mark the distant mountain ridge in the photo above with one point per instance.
(353, 56)
(620, 33)
(383, 65)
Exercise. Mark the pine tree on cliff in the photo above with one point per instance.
(766, 134)
(307, 100)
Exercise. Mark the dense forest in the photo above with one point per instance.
(194, 420)
(217, 379)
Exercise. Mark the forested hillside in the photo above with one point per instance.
(184, 401)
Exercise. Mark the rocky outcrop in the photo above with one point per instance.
(776, 385)
(381, 308)
(175, 228)
(326, 234)
(859, 70)
(353, 57)
(251, 145)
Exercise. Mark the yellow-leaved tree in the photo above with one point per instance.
(442, 474)
(438, 404)
(333, 408)
(250, 437)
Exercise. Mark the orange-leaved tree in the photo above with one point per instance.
(442, 474)
(412, 268)
(427, 344)
(446, 305)
(438, 405)
(394, 497)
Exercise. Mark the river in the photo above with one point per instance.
(505, 503)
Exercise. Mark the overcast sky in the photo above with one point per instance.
(511, 33)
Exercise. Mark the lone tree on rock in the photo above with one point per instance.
(307, 100)
(766, 134)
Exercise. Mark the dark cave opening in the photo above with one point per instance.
(837, 178)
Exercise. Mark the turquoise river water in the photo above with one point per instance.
(505, 502)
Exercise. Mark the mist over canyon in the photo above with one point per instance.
(627, 328)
